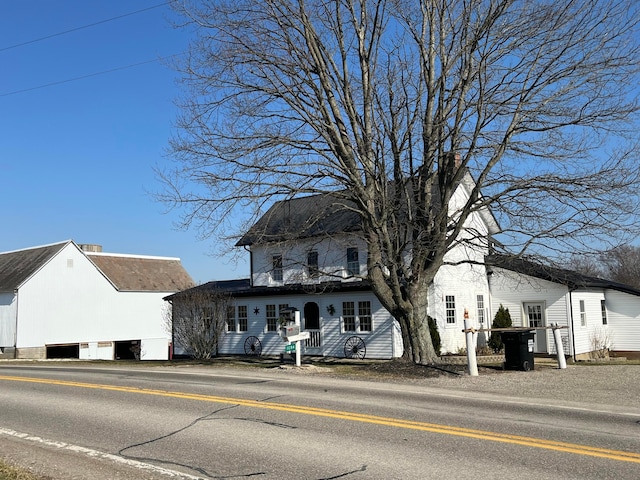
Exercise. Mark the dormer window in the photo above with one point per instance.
(276, 271)
(353, 262)
(312, 264)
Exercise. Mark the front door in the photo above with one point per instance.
(535, 318)
(313, 345)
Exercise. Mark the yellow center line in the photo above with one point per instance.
(356, 417)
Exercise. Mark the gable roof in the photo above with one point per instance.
(304, 217)
(19, 265)
(142, 274)
(326, 214)
(129, 273)
(569, 278)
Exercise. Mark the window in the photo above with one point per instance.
(312, 264)
(353, 263)
(450, 309)
(348, 317)
(231, 319)
(603, 309)
(480, 305)
(583, 314)
(360, 323)
(276, 272)
(272, 319)
(364, 316)
(243, 324)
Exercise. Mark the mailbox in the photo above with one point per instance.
(290, 330)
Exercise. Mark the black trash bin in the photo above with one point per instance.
(518, 350)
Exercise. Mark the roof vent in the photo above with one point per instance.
(90, 247)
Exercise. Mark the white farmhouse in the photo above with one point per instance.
(307, 253)
(73, 301)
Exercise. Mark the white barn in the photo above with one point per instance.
(73, 301)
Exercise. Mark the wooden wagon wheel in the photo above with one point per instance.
(355, 347)
(252, 346)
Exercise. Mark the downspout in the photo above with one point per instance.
(250, 265)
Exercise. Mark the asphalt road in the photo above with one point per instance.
(107, 423)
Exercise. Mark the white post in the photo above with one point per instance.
(296, 317)
(562, 362)
(472, 362)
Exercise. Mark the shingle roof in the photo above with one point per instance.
(304, 217)
(17, 266)
(325, 214)
(569, 278)
(142, 274)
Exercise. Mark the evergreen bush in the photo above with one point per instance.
(435, 335)
(501, 320)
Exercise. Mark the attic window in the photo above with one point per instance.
(69, 262)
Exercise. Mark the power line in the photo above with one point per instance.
(82, 77)
(82, 27)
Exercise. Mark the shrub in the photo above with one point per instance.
(435, 335)
(501, 320)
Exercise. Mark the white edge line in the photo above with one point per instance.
(97, 454)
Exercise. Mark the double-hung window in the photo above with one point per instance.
(243, 318)
(450, 309)
(353, 262)
(312, 264)
(272, 318)
(603, 309)
(231, 319)
(583, 314)
(360, 321)
(348, 317)
(480, 306)
(364, 316)
(276, 268)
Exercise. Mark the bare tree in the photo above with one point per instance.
(375, 99)
(622, 264)
(197, 320)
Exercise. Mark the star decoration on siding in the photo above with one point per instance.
(256, 311)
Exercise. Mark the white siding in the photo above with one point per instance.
(332, 260)
(583, 334)
(513, 290)
(8, 303)
(379, 342)
(464, 282)
(623, 312)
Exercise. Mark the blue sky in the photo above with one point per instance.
(77, 158)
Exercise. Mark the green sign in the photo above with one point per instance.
(290, 348)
